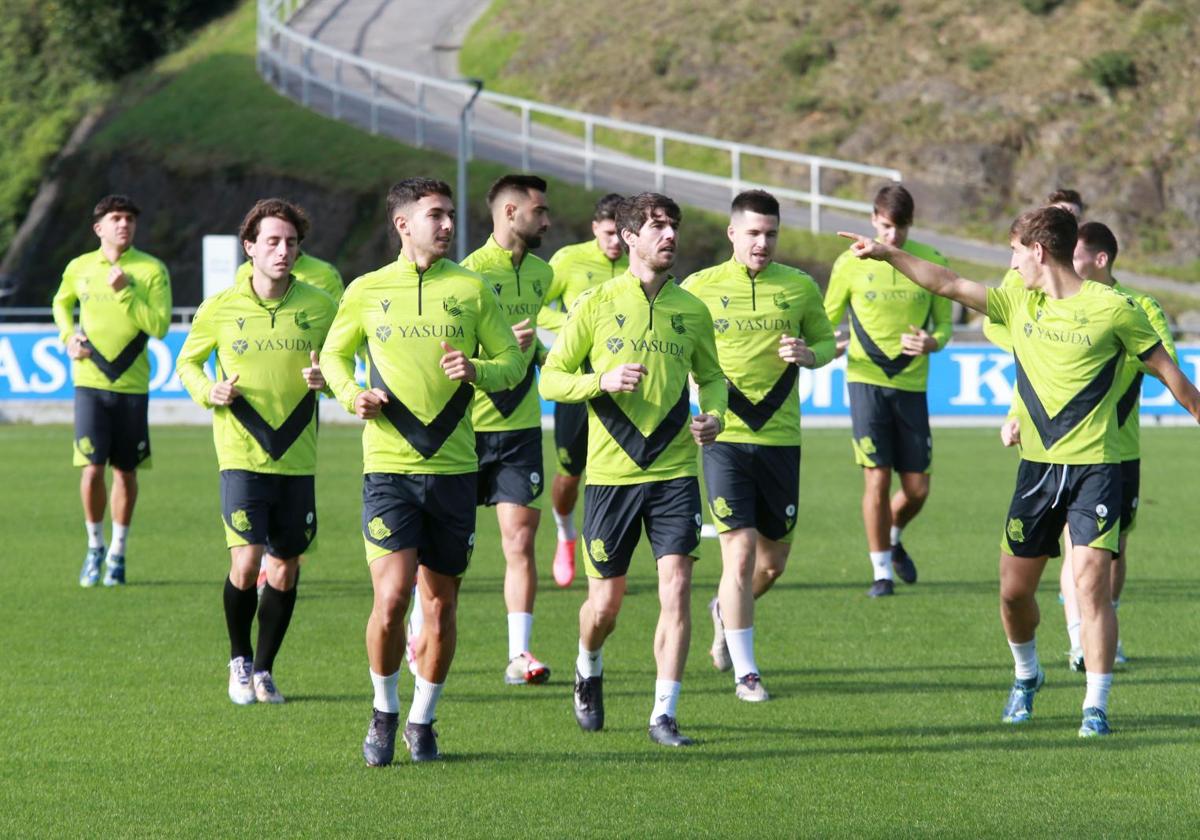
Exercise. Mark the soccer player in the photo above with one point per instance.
(266, 331)
(769, 322)
(887, 370)
(124, 298)
(508, 423)
(1070, 338)
(1095, 253)
(420, 316)
(308, 269)
(627, 349)
(577, 268)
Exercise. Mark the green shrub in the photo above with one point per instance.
(1041, 7)
(980, 57)
(1112, 70)
(807, 53)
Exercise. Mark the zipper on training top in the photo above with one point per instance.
(753, 295)
(420, 280)
(282, 301)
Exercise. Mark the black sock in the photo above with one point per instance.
(239, 615)
(274, 615)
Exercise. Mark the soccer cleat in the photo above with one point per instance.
(89, 575)
(421, 741)
(881, 588)
(564, 563)
(379, 746)
(750, 689)
(719, 650)
(1095, 723)
(264, 688)
(241, 682)
(1019, 707)
(589, 703)
(905, 568)
(665, 731)
(1120, 658)
(526, 670)
(114, 570)
(1075, 659)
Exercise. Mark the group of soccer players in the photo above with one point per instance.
(452, 420)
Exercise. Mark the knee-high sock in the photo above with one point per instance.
(239, 615)
(274, 615)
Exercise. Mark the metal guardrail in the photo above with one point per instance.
(45, 314)
(307, 69)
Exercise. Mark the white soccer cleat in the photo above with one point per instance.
(241, 682)
(264, 688)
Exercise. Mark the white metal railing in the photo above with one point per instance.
(32, 314)
(289, 59)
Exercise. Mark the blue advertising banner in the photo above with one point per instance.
(967, 380)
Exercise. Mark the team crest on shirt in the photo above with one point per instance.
(721, 508)
(1081, 319)
(1028, 329)
(620, 320)
(240, 520)
(385, 303)
(724, 301)
(241, 322)
(677, 323)
(378, 530)
(301, 319)
(383, 332)
(1016, 530)
(537, 287)
(614, 344)
(450, 304)
(720, 325)
(780, 300)
(598, 552)
(241, 346)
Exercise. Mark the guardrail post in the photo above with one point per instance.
(659, 176)
(304, 61)
(814, 188)
(589, 155)
(374, 101)
(470, 134)
(420, 113)
(735, 166)
(337, 89)
(525, 131)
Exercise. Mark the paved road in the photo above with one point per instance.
(423, 37)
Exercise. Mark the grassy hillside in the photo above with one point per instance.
(985, 106)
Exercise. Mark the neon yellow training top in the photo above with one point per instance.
(577, 268)
(308, 269)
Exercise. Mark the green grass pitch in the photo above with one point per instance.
(884, 718)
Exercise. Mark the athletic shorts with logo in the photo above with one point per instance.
(753, 486)
(278, 511)
(1131, 486)
(510, 467)
(890, 427)
(1085, 498)
(435, 514)
(570, 437)
(614, 515)
(112, 428)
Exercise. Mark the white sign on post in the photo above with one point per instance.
(222, 256)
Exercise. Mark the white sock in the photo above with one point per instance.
(95, 532)
(666, 698)
(566, 525)
(1098, 686)
(424, 704)
(387, 699)
(416, 615)
(520, 629)
(119, 534)
(1073, 635)
(590, 663)
(882, 561)
(741, 651)
(896, 534)
(1025, 659)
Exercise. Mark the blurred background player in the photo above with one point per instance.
(266, 330)
(887, 370)
(124, 298)
(769, 321)
(577, 268)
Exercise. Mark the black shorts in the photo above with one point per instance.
(111, 428)
(278, 511)
(435, 514)
(613, 516)
(1131, 486)
(510, 467)
(1085, 498)
(570, 437)
(752, 486)
(891, 428)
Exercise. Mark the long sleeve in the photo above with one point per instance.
(64, 309)
(561, 380)
(837, 294)
(151, 315)
(549, 317)
(197, 347)
(337, 355)
(942, 315)
(506, 363)
(1158, 320)
(710, 379)
(817, 332)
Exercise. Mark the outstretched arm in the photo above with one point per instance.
(937, 279)
(1159, 363)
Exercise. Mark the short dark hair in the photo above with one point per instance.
(606, 208)
(755, 201)
(411, 190)
(634, 211)
(896, 203)
(1098, 238)
(1063, 196)
(114, 204)
(273, 208)
(514, 181)
(1054, 228)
